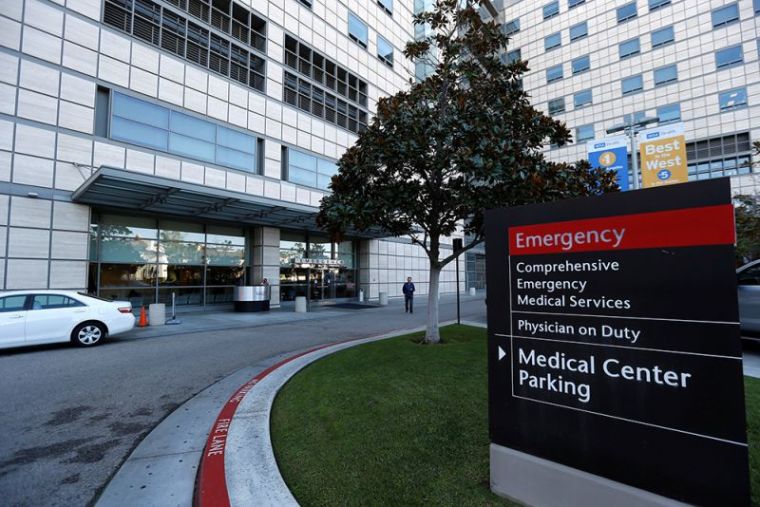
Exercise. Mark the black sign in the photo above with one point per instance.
(614, 341)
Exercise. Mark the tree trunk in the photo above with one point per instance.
(432, 334)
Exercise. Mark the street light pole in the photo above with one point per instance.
(634, 157)
(631, 128)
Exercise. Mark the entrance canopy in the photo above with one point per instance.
(119, 188)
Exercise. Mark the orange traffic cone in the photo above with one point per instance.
(143, 318)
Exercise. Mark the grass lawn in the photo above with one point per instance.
(397, 423)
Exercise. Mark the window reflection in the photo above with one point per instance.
(147, 124)
(127, 275)
(141, 260)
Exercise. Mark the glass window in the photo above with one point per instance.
(551, 10)
(656, 4)
(665, 75)
(172, 230)
(292, 246)
(629, 48)
(626, 12)
(225, 254)
(582, 98)
(345, 251)
(308, 170)
(579, 31)
(557, 106)
(53, 301)
(226, 235)
(139, 122)
(181, 252)
(128, 227)
(513, 56)
(554, 73)
(728, 57)
(384, 51)
(662, 37)
(191, 147)
(115, 249)
(235, 159)
(357, 29)
(182, 134)
(179, 275)
(224, 275)
(725, 15)
(733, 99)
(634, 118)
(669, 114)
(138, 133)
(584, 133)
(325, 172)
(511, 27)
(574, 3)
(553, 41)
(128, 275)
(12, 303)
(387, 5)
(320, 247)
(301, 176)
(140, 111)
(632, 84)
(236, 140)
(193, 127)
(581, 64)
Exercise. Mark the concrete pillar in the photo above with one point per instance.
(365, 278)
(265, 247)
(157, 314)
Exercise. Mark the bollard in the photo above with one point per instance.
(157, 314)
(300, 304)
(361, 295)
(473, 292)
(383, 299)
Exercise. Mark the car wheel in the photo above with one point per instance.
(88, 334)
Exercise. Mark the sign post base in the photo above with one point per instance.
(537, 482)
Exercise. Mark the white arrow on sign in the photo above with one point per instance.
(501, 353)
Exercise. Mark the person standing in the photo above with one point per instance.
(408, 295)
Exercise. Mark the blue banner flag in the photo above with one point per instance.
(610, 153)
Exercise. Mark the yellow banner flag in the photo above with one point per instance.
(663, 156)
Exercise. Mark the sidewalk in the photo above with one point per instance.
(215, 320)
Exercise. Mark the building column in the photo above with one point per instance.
(265, 248)
(368, 268)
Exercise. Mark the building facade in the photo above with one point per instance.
(159, 147)
(595, 64)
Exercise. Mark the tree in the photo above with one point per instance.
(465, 139)
(747, 219)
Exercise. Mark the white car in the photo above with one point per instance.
(34, 317)
(748, 278)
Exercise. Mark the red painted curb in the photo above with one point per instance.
(211, 483)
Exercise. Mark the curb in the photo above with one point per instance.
(211, 489)
(238, 451)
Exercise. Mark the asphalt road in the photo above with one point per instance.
(71, 416)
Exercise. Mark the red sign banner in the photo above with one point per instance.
(709, 225)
